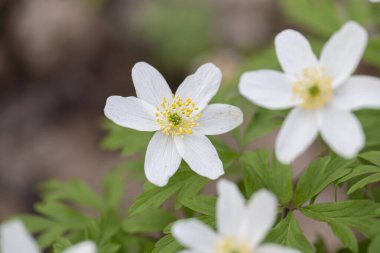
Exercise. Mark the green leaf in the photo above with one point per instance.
(358, 11)
(74, 191)
(372, 51)
(318, 176)
(359, 214)
(371, 157)
(364, 182)
(288, 233)
(345, 235)
(201, 204)
(113, 188)
(128, 140)
(167, 244)
(358, 171)
(258, 173)
(374, 247)
(154, 197)
(148, 221)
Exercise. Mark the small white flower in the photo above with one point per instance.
(374, 1)
(181, 120)
(14, 238)
(241, 227)
(322, 92)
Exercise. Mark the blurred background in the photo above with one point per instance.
(61, 59)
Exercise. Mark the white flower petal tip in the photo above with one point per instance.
(294, 52)
(199, 153)
(267, 88)
(150, 85)
(296, 134)
(131, 112)
(14, 237)
(201, 86)
(161, 160)
(195, 235)
(343, 51)
(83, 247)
(219, 119)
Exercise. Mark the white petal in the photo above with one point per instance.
(229, 209)
(83, 247)
(161, 160)
(358, 92)
(131, 112)
(14, 238)
(342, 53)
(294, 52)
(274, 248)
(258, 218)
(150, 85)
(219, 119)
(201, 86)
(200, 155)
(296, 134)
(194, 235)
(341, 130)
(267, 88)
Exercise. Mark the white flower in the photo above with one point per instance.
(322, 92)
(241, 227)
(374, 1)
(181, 120)
(14, 238)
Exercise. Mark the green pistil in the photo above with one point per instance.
(314, 91)
(175, 119)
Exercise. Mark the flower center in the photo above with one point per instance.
(232, 245)
(313, 88)
(175, 116)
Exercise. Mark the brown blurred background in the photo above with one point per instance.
(60, 60)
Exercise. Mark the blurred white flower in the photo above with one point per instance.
(322, 92)
(374, 1)
(14, 238)
(181, 120)
(241, 227)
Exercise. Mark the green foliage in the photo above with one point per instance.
(318, 176)
(259, 173)
(288, 232)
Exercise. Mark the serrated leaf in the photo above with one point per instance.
(74, 191)
(154, 197)
(359, 214)
(358, 171)
(201, 204)
(364, 182)
(167, 244)
(372, 157)
(259, 173)
(148, 221)
(345, 235)
(288, 233)
(318, 176)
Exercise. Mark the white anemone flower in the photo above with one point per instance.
(181, 120)
(241, 227)
(322, 92)
(14, 238)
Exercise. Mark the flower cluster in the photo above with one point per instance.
(241, 227)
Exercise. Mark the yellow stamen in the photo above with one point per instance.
(176, 116)
(313, 88)
(232, 245)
